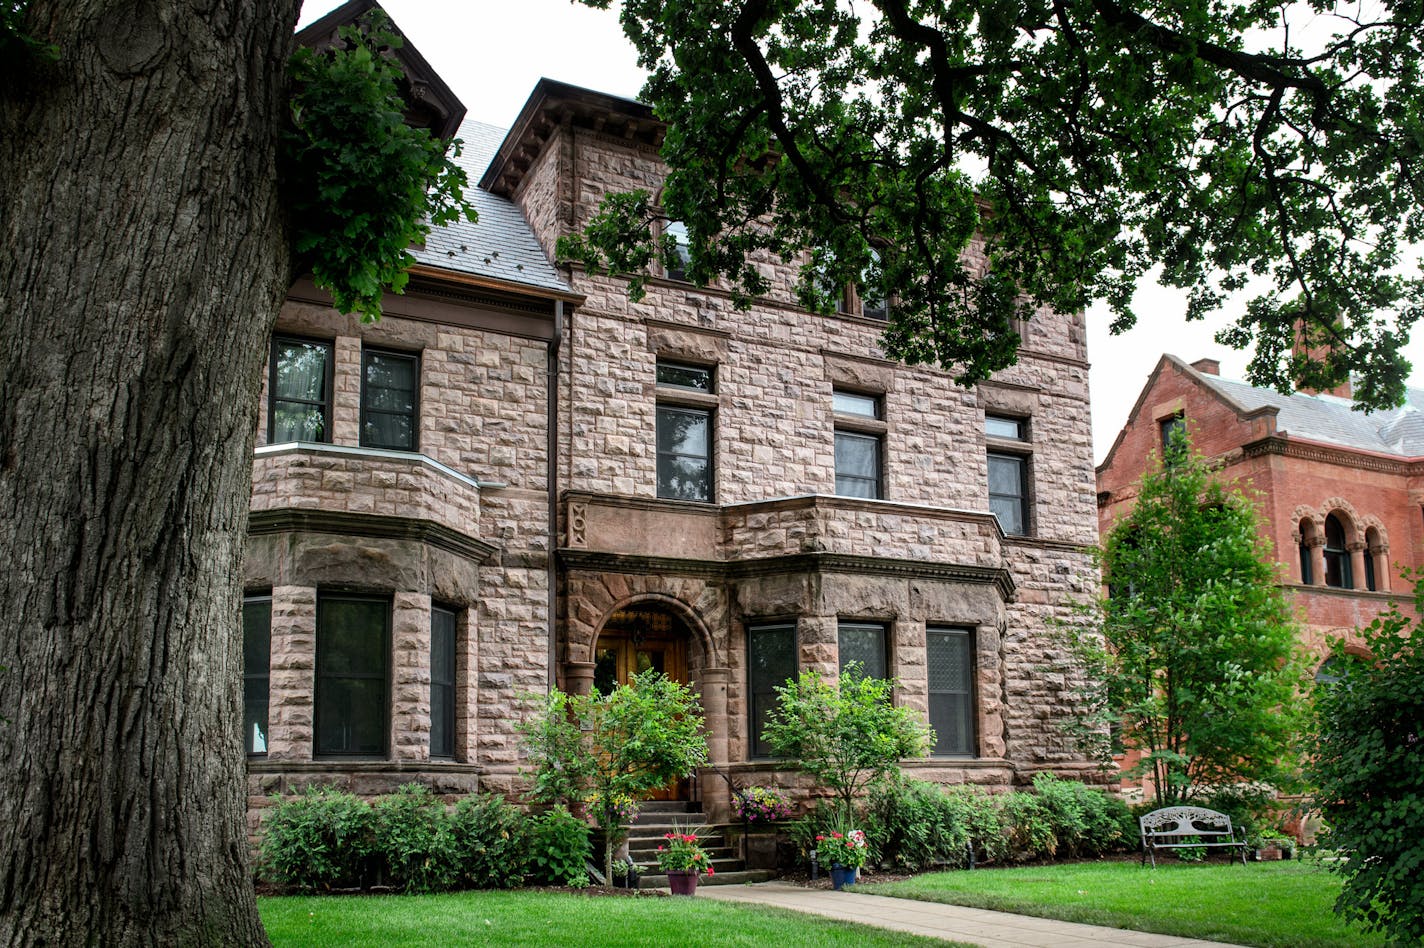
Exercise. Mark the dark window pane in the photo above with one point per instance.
(771, 660)
(857, 465)
(949, 664)
(352, 650)
(256, 658)
(865, 644)
(300, 382)
(605, 670)
(873, 297)
(684, 468)
(442, 682)
(1306, 574)
(1007, 499)
(998, 427)
(685, 376)
(390, 384)
(1337, 559)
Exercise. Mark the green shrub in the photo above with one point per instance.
(1028, 828)
(558, 849)
(1252, 808)
(822, 819)
(914, 825)
(317, 840)
(491, 842)
(978, 812)
(1190, 853)
(1086, 821)
(413, 842)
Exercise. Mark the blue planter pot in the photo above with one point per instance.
(842, 876)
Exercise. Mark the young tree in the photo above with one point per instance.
(1367, 764)
(613, 748)
(845, 733)
(146, 251)
(1083, 140)
(1197, 663)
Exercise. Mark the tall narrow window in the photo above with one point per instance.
(771, 660)
(299, 404)
(874, 299)
(1174, 434)
(684, 421)
(352, 675)
(256, 671)
(864, 644)
(949, 657)
(675, 267)
(1008, 455)
(390, 387)
(1374, 548)
(442, 682)
(1337, 558)
(859, 443)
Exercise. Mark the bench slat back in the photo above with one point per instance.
(1183, 821)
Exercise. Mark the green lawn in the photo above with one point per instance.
(542, 918)
(1274, 904)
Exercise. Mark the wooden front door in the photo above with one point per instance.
(626, 649)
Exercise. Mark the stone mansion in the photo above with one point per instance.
(519, 480)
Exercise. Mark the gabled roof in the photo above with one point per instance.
(501, 245)
(1332, 420)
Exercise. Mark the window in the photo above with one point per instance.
(1008, 472)
(864, 643)
(256, 671)
(871, 292)
(771, 660)
(390, 389)
(1174, 438)
(685, 431)
(676, 268)
(859, 433)
(1374, 548)
(442, 682)
(299, 407)
(1337, 558)
(949, 657)
(1307, 531)
(352, 671)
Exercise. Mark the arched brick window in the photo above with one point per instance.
(1376, 559)
(1337, 555)
(1307, 533)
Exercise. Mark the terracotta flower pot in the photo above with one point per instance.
(682, 881)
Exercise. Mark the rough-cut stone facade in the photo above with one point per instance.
(464, 521)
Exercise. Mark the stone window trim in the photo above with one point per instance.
(328, 397)
(383, 678)
(368, 410)
(1021, 450)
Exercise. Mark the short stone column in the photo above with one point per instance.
(346, 391)
(292, 682)
(1357, 565)
(578, 677)
(819, 641)
(711, 683)
(1317, 561)
(410, 676)
(1382, 567)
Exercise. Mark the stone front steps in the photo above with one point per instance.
(657, 818)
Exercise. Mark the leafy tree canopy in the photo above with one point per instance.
(845, 733)
(1197, 664)
(1083, 140)
(1365, 762)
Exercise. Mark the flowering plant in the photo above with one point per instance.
(760, 805)
(614, 809)
(682, 852)
(842, 849)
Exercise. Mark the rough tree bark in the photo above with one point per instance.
(143, 259)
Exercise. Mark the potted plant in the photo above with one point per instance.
(625, 874)
(759, 808)
(844, 853)
(683, 859)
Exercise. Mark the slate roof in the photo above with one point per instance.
(1332, 420)
(500, 245)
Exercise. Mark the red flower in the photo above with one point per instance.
(711, 871)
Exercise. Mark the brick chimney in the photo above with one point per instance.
(1317, 354)
(1207, 366)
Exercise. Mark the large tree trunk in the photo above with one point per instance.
(142, 262)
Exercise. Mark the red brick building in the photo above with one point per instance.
(1340, 491)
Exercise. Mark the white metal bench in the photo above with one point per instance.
(1187, 827)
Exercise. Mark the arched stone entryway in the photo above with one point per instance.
(636, 630)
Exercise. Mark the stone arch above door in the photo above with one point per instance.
(594, 597)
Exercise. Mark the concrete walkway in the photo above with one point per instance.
(953, 922)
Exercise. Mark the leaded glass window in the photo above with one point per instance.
(949, 660)
(771, 660)
(864, 644)
(442, 682)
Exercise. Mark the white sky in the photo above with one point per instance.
(492, 52)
